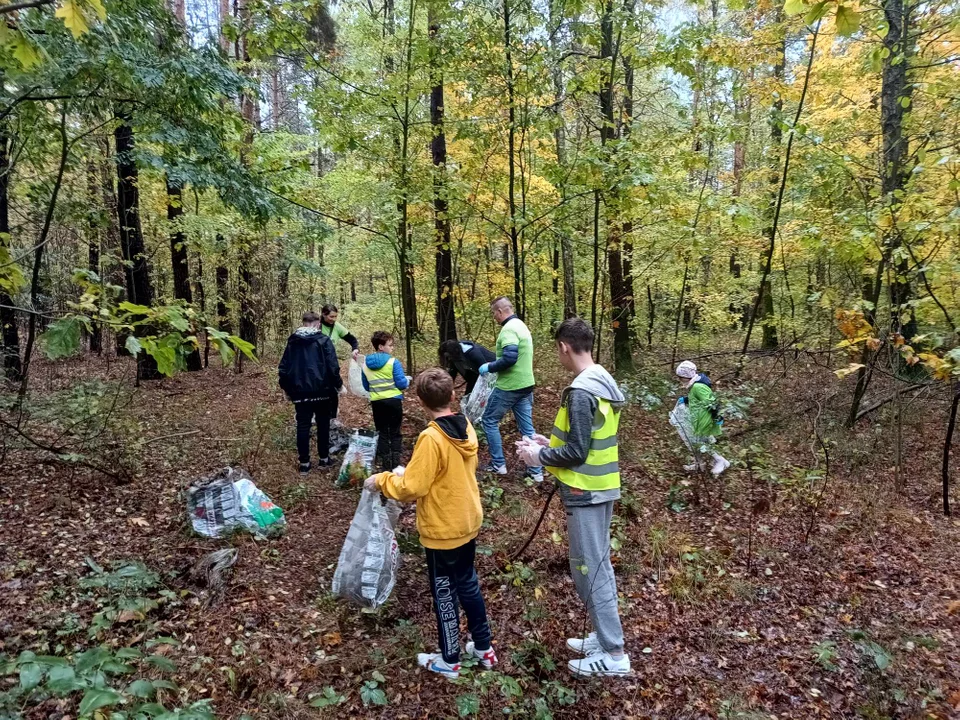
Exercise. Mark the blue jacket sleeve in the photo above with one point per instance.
(511, 353)
(399, 378)
(366, 383)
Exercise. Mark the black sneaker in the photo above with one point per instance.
(305, 468)
(324, 462)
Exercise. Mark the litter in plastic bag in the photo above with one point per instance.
(355, 380)
(358, 460)
(229, 500)
(339, 437)
(476, 402)
(367, 569)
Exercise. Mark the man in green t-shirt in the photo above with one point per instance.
(514, 388)
(335, 331)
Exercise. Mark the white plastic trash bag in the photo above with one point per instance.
(367, 569)
(229, 500)
(355, 380)
(358, 460)
(475, 403)
(682, 420)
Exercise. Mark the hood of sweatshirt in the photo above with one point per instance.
(456, 429)
(305, 334)
(597, 381)
(375, 361)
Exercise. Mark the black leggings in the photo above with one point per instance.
(454, 583)
(387, 418)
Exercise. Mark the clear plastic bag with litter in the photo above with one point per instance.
(475, 403)
(367, 568)
(229, 500)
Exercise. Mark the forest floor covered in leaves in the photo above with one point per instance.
(787, 592)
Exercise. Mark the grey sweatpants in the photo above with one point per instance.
(589, 530)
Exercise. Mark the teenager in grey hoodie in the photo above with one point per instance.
(583, 455)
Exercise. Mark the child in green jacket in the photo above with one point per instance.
(702, 405)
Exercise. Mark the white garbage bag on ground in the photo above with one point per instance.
(367, 569)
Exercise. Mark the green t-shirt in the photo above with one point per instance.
(520, 376)
(334, 333)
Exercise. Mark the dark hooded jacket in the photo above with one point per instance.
(309, 369)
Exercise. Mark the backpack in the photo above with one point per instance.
(714, 407)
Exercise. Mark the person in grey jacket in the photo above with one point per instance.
(583, 455)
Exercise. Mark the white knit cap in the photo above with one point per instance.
(686, 369)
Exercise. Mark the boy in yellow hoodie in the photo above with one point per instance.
(442, 478)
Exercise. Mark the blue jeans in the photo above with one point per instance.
(501, 402)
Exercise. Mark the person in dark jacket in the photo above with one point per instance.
(310, 376)
(464, 358)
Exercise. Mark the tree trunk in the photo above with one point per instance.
(619, 294)
(178, 258)
(10, 336)
(895, 96)
(518, 290)
(628, 90)
(137, 271)
(248, 281)
(557, 18)
(93, 248)
(766, 313)
(223, 289)
(894, 173)
(446, 319)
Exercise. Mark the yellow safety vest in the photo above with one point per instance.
(601, 471)
(382, 386)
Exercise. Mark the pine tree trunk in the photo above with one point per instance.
(446, 318)
(137, 271)
(12, 365)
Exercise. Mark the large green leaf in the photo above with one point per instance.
(848, 20)
(98, 698)
(794, 7)
(30, 675)
(62, 338)
(142, 689)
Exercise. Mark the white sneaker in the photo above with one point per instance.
(495, 469)
(602, 664)
(694, 467)
(585, 646)
(719, 466)
(487, 658)
(434, 662)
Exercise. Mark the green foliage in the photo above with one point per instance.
(329, 698)
(824, 654)
(129, 592)
(468, 705)
(94, 679)
(371, 692)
